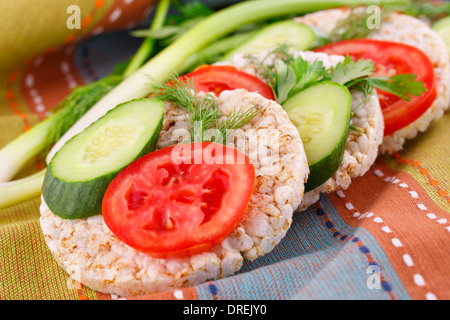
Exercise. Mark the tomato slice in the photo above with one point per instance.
(167, 207)
(393, 58)
(218, 78)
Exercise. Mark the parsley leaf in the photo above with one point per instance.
(358, 73)
(349, 70)
(288, 76)
(308, 73)
(235, 120)
(284, 81)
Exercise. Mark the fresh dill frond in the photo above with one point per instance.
(424, 8)
(181, 91)
(365, 87)
(348, 70)
(203, 112)
(204, 116)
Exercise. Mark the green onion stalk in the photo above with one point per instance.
(173, 59)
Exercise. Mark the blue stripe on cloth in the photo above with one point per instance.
(311, 263)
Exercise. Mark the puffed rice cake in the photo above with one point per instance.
(91, 254)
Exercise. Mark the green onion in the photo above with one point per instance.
(15, 192)
(148, 44)
(41, 136)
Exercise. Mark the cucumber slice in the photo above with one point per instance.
(322, 115)
(442, 27)
(296, 35)
(80, 172)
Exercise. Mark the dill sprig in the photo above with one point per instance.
(366, 88)
(355, 128)
(353, 26)
(202, 111)
(237, 119)
(356, 24)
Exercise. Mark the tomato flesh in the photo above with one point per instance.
(392, 58)
(218, 78)
(169, 208)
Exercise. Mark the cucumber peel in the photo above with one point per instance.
(81, 171)
(321, 114)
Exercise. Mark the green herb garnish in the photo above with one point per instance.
(203, 112)
(292, 78)
(349, 70)
(353, 26)
(237, 119)
(423, 8)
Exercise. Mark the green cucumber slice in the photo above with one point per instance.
(81, 171)
(322, 115)
(442, 27)
(296, 35)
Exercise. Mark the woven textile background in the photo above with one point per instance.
(393, 223)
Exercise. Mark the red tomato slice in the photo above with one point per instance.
(219, 78)
(171, 206)
(393, 58)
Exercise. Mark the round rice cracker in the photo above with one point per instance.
(92, 255)
(397, 27)
(361, 147)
